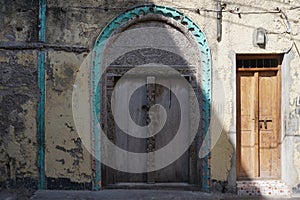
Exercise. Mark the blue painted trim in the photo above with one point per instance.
(41, 105)
(205, 82)
(41, 120)
(42, 20)
(95, 120)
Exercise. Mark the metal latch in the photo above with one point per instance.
(265, 123)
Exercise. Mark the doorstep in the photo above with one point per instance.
(262, 188)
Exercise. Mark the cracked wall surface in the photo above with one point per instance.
(77, 24)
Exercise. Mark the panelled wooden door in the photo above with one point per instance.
(180, 171)
(258, 124)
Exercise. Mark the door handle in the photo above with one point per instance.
(265, 122)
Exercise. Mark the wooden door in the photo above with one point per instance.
(258, 124)
(140, 101)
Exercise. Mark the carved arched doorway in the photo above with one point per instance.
(132, 48)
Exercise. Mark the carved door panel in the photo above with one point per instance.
(258, 128)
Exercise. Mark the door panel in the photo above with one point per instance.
(138, 115)
(179, 170)
(248, 94)
(258, 111)
(268, 125)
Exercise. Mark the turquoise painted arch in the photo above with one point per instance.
(205, 74)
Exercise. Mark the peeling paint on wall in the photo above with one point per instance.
(66, 156)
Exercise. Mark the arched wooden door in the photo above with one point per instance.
(182, 46)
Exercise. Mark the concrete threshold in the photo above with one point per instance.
(155, 186)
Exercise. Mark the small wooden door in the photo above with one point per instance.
(258, 124)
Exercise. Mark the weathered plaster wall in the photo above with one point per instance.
(18, 96)
(292, 123)
(237, 37)
(73, 26)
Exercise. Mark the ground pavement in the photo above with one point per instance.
(123, 194)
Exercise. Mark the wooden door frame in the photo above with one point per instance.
(279, 58)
